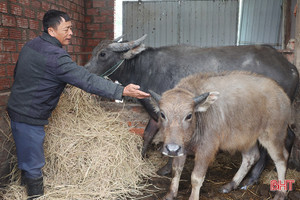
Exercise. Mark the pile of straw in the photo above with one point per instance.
(90, 154)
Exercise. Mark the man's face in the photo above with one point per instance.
(63, 32)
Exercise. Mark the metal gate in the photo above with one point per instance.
(261, 22)
(204, 23)
(200, 23)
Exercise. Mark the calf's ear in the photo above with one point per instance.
(203, 102)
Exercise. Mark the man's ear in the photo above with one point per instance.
(51, 31)
(207, 102)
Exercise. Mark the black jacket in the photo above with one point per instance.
(41, 74)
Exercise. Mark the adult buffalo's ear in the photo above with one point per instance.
(133, 52)
(155, 98)
(203, 102)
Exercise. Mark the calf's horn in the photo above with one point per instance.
(118, 47)
(201, 98)
(155, 96)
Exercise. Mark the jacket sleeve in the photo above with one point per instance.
(69, 72)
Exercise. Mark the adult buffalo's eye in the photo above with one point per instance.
(188, 117)
(162, 115)
(102, 54)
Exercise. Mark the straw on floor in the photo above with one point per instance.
(90, 154)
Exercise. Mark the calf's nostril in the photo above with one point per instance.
(173, 147)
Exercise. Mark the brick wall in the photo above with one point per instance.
(21, 21)
(99, 20)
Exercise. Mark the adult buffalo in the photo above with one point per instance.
(159, 69)
(207, 112)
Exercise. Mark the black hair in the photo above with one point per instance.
(52, 18)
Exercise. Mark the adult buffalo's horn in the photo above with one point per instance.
(118, 38)
(155, 96)
(201, 98)
(118, 47)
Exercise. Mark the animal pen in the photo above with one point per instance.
(92, 151)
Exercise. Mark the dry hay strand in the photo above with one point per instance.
(90, 154)
(291, 174)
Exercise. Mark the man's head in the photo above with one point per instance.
(58, 24)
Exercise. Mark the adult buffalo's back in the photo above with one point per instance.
(159, 69)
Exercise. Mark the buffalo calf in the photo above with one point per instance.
(229, 111)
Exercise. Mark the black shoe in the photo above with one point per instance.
(35, 187)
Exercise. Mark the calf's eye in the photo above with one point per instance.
(102, 54)
(162, 115)
(188, 117)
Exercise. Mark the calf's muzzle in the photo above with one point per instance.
(172, 150)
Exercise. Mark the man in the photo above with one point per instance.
(41, 74)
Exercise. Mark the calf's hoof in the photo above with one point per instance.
(228, 187)
(280, 196)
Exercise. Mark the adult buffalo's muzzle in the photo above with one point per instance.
(172, 150)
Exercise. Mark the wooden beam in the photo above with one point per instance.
(297, 37)
(286, 19)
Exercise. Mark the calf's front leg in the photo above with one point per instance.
(198, 175)
(177, 167)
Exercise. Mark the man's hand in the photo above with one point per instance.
(132, 90)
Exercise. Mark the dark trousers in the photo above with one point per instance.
(29, 140)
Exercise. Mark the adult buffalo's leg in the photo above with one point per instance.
(260, 165)
(149, 133)
(289, 140)
(249, 158)
(152, 126)
(167, 169)
(257, 169)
